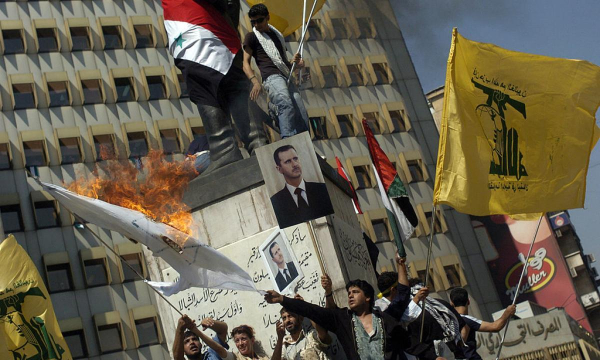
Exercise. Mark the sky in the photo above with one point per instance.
(557, 28)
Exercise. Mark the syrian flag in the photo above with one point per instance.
(342, 173)
(198, 264)
(198, 32)
(401, 214)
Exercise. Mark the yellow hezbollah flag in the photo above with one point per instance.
(28, 326)
(286, 15)
(517, 130)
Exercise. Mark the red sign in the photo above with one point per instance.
(548, 280)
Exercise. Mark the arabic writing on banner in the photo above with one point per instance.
(525, 335)
(243, 307)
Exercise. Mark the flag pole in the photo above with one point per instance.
(304, 27)
(431, 232)
(523, 272)
(301, 45)
(313, 236)
(131, 267)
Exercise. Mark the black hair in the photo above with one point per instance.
(271, 247)
(189, 333)
(258, 10)
(243, 329)
(414, 281)
(365, 287)
(281, 148)
(386, 280)
(459, 296)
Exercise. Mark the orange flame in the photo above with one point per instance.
(156, 191)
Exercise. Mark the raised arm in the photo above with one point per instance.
(279, 346)
(327, 286)
(220, 350)
(321, 332)
(500, 323)
(324, 317)
(178, 342)
(218, 327)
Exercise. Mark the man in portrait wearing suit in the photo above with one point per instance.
(299, 200)
(286, 272)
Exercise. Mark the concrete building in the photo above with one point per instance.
(76, 76)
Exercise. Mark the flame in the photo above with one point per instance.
(156, 190)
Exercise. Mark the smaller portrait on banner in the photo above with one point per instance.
(294, 180)
(281, 262)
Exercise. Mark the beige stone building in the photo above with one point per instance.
(78, 75)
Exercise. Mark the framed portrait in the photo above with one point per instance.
(281, 262)
(294, 180)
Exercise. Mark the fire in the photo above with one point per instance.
(156, 190)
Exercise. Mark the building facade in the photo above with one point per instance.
(79, 76)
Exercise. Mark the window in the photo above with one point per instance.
(416, 170)
(346, 127)
(366, 28)
(5, 152)
(424, 214)
(169, 139)
(339, 28)
(58, 93)
(35, 152)
(75, 339)
(23, 91)
(46, 213)
(329, 76)
(363, 176)
(431, 285)
(155, 82)
(373, 121)
(437, 225)
(381, 230)
(13, 37)
(181, 85)
(10, 209)
(69, 145)
(132, 254)
(124, 85)
(356, 78)
(138, 144)
(58, 90)
(379, 69)
(110, 332)
(112, 32)
(452, 275)
(143, 31)
(105, 147)
(306, 77)
(398, 120)
(147, 331)
(315, 31)
(92, 92)
(58, 272)
(46, 35)
(198, 131)
(95, 266)
(80, 38)
(319, 127)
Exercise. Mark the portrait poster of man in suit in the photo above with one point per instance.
(294, 180)
(281, 262)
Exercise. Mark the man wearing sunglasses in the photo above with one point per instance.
(267, 46)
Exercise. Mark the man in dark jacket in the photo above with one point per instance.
(364, 333)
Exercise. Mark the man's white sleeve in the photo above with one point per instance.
(411, 313)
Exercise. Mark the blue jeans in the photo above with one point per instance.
(292, 115)
(202, 161)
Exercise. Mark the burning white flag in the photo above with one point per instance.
(198, 264)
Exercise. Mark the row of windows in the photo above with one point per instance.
(348, 71)
(94, 266)
(109, 331)
(59, 90)
(45, 209)
(336, 25)
(376, 223)
(345, 121)
(79, 34)
(103, 141)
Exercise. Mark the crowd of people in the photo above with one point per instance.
(387, 328)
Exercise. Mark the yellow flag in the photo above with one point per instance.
(286, 15)
(28, 326)
(517, 130)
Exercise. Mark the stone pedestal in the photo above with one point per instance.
(234, 214)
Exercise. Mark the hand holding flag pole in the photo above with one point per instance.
(431, 232)
(304, 31)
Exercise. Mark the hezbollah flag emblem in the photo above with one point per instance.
(28, 326)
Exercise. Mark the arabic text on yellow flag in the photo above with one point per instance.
(517, 130)
(286, 15)
(28, 326)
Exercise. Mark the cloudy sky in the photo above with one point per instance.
(553, 28)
